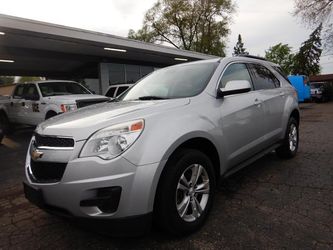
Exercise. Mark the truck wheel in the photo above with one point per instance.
(50, 114)
(290, 143)
(185, 192)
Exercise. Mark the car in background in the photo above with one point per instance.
(317, 91)
(116, 90)
(31, 103)
(301, 84)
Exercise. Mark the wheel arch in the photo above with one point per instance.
(200, 143)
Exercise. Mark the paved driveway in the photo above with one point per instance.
(271, 204)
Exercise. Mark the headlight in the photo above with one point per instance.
(112, 141)
(68, 107)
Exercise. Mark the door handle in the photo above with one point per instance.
(281, 94)
(11, 104)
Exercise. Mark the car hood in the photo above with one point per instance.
(67, 99)
(80, 124)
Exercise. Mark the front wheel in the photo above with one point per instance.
(185, 193)
(289, 146)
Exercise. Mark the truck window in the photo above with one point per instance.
(121, 90)
(111, 91)
(18, 93)
(61, 88)
(30, 91)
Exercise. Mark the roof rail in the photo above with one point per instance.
(251, 56)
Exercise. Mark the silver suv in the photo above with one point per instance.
(158, 151)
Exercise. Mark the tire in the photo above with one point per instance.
(4, 126)
(50, 114)
(289, 147)
(172, 192)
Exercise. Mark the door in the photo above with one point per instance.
(31, 106)
(241, 118)
(14, 109)
(273, 98)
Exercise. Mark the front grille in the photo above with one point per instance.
(46, 172)
(88, 102)
(51, 141)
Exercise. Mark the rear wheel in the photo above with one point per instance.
(185, 193)
(290, 143)
(4, 126)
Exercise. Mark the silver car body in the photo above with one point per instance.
(239, 126)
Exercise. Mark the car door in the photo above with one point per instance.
(273, 98)
(241, 118)
(31, 112)
(15, 105)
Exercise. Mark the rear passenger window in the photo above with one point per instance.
(236, 71)
(110, 92)
(263, 78)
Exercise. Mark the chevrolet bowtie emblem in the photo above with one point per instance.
(35, 154)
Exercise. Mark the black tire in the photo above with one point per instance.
(286, 150)
(166, 215)
(50, 114)
(4, 126)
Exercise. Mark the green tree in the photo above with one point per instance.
(315, 12)
(24, 79)
(197, 25)
(281, 54)
(306, 61)
(239, 48)
(7, 79)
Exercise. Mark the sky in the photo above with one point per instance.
(262, 23)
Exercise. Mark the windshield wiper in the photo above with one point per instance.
(152, 97)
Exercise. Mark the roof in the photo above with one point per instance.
(45, 49)
(322, 78)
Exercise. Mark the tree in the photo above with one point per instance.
(7, 79)
(315, 12)
(24, 79)
(197, 25)
(239, 48)
(306, 61)
(281, 54)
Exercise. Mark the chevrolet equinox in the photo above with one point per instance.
(156, 152)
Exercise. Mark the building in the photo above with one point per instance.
(322, 78)
(33, 48)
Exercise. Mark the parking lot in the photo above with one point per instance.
(272, 204)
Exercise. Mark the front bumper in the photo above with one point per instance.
(83, 179)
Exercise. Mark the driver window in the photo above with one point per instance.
(235, 71)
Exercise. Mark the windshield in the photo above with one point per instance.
(173, 82)
(316, 85)
(61, 88)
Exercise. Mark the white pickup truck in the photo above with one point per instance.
(32, 103)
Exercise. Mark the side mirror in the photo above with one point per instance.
(234, 87)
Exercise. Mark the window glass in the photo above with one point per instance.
(19, 91)
(132, 73)
(121, 90)
(145, 70)
(236, 71)
(173, 82)
(281, 72)
(30, 90)
(61, 88)
(116, 73)
(263, 78)
(110, 92)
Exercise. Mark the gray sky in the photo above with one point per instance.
(262, 23)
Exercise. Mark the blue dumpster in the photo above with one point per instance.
(302, 86)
